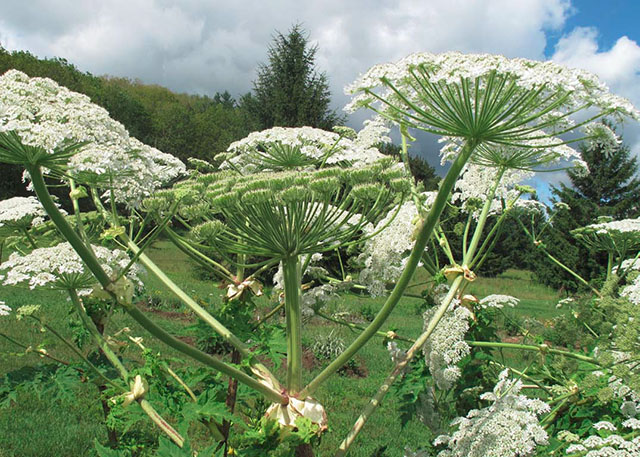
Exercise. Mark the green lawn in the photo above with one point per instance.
(41, 426)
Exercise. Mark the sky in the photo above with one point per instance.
(206, 46)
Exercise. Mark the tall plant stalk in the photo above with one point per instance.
(422, 239)
(292, 301)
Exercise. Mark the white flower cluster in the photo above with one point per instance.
(612, 227)
(613, 444)
(601, 137)
(628, 264)
(614, 236)
(446, 345)
(385, 254)
(318, 296)
(565, 302)
(498, 301)
(314, 144)
(45, 114)
(451, 68)
(476, 182)
(508, 427)
(50, 267)
(137, 171)
(531, 206)
(395, 352)
(21, 212)
(4, 309)
(632, 291)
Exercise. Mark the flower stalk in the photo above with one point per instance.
(422, 239)
(292, 299)
(96, 269)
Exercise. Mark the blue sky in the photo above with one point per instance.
(613, 19)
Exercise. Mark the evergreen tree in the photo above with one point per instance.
(611, 188)
(289, 91)
(420, 168)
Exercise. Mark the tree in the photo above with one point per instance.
(420, 168)
(611, 188)
(289, 91)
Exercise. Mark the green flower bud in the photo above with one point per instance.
(325, 186)
(365, 192)
(294, 194)
(208, 231)
(256, 197)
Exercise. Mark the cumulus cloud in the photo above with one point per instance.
(206, 46)
(618, 67)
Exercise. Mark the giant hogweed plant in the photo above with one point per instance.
(285, 203)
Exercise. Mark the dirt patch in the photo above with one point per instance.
(191, 341)
(169, 315)
(309, 359)
(512, 339)
(355, 368)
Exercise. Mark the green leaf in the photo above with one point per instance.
(211, 409)
(166, 448)
(108, 452)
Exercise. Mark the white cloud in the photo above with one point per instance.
(208, 46)
(618, 67)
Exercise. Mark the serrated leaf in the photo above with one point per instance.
(108, 452)
(167, 448)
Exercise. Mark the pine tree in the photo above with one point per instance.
(289, 91)
(611, 188)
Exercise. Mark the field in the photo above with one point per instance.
(38, 423)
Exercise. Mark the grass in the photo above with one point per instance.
(38, 426)
(536, 300)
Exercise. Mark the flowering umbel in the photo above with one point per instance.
(507, 427)
(45, 124)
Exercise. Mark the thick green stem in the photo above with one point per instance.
(76, 211)
(557, 262)
(542, 348)
(573, 273)
(99, 339)
(609, 264)
(405, 278)
(292, 301)
(482, 220)
(203, 357)
(399, 369)
(187, 300)
(160, 422)
(96, 269)
(198, 256)
(32, 242)
(40, 188)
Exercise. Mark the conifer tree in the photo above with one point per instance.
(289, 91)
(611, 188)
